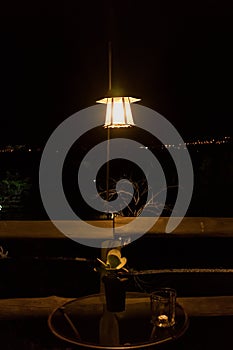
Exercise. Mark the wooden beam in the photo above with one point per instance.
(207, 306)
(189, 227)
(29, 308)
(35, 308)
(14, 229)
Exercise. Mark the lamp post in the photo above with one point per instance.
(118, 113)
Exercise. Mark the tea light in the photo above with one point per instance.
(162, 321)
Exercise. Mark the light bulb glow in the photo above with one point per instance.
(118, 112)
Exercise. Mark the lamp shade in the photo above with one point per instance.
(118, 112)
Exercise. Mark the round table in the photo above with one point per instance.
(85, 322)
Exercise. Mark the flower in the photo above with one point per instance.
(114, 261)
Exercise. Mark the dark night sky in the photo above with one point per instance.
(177, 58)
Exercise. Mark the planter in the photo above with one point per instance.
(115, 292)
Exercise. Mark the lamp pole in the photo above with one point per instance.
(107, 170)
(108, 131)
(118, 114)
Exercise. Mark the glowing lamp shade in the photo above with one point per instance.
(118, 112)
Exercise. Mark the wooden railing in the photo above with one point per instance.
(34, 308)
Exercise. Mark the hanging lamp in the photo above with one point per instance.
(118, 111)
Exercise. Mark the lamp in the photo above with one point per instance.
(118, 111)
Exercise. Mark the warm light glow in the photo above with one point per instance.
(118, 112)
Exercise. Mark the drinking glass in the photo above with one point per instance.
(163, 306)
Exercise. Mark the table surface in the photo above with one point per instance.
(86, 322)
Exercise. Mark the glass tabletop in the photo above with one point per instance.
(86, 322)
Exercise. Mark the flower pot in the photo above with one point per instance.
(115, 292)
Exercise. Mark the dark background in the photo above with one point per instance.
(177, 57)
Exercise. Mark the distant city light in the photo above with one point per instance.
(195, 142)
